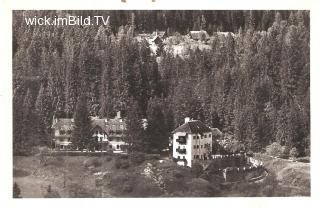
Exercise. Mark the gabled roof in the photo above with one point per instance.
(64, 124)
(109, 126)
(216, 132)
(100, 123)
(193, 127)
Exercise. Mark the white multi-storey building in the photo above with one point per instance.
(191, 141)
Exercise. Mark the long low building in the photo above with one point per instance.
(110, 133)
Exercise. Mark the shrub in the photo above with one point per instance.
(285, 152)
(122, 164)
(137, 158)
(307, 152)
(51, 193)
(275, 149)
(234, 146)
(196, 169)
(294, 153)
(20, 173)
(108, 158)
(199, 187)
(54, 161)
(303, 159)
(95, 162)
(76, 190)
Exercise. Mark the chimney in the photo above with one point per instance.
(186, 120)
(118, 115)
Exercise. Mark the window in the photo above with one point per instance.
(194, 146)
(69, 132)
(200, 156)
(183, 157)
(178, 157)
(194, 137)
(62, 132)
(209, 135)
(205, 136)
(201, 146)
(208, 145)
(197, 146)
(118, 147)
(197, 137)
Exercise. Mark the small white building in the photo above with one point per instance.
(191, 141)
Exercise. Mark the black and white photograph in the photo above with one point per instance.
(160, 103)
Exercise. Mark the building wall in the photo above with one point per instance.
(199, 143)
(191, 151)
(186, 146)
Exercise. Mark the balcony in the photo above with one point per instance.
(181, 151)
(182, 140)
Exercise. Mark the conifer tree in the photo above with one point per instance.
(81, 137)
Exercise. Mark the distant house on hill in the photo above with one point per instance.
(199, 35)
(108, 132)
(191, 141)
(161, 34)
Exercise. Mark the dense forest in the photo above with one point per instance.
(254, 85)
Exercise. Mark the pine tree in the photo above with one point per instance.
(157, 130)
(135, 133)
(81, 137)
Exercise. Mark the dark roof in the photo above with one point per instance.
(109, 126)
(193, 127)
(216, 132)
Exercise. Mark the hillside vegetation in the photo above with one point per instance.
(254, 85)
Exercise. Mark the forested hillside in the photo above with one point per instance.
(254, 85)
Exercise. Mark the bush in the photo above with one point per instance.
(137, 158)
(108, 158)
(54, 161)
(196, 169)
(307, 152)
(199, 187)
(294, 153)
(79, 191)
(95, 162)
(122, 164)
(20, 173)
(275, 149)
(51, 193)
(303, 159)
(285, 152)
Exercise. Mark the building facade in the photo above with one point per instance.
(191, 141)
(109, 133)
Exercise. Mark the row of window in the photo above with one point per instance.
(201, 146)
(183, 157)
(64, 132)
(204, 136)
(204, 156)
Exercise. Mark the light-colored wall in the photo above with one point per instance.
(189, 146)
(186, 146)
(202, 141)
(115, 143)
